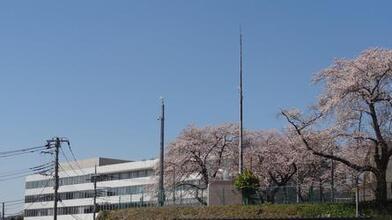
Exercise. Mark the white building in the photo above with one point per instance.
(124, 184)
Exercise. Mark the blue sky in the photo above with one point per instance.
(93, 71)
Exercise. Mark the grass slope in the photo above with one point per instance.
(238, 211)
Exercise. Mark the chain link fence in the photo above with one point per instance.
(311, 194)
(179, 197)
(279, 195)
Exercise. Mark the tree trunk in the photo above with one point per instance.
(381, 190)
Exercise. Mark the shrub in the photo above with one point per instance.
(248, 184)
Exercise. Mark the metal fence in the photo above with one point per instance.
(180, 197)
(279, 195)
(313, 194)
(295, 194)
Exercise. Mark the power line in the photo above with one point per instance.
(20, 176)
(14, 209)
(76, 161)
(41, 169)
(21, 150)
(26, 169)
(13, 178)
(15, 173)
(13, 201)
(15, 204)
(14, 214)
(68, 175)
(41, 193)
(73, 163)
(69, 162)
(18, 152)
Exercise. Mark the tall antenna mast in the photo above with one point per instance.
(240, 150)
(161, 193)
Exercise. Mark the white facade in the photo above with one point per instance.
(124, 184)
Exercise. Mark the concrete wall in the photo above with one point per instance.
(222, 192)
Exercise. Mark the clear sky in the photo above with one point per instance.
(93, 71)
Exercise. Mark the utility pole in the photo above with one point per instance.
(57, 144)
(174, 184)
(240, 162)
(2, 211)
(94, 178)
(56, 177)
(298, 187)
(161, 193)
(332, 180)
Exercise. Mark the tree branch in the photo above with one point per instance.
(333, 157)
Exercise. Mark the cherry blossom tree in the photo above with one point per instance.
(353, 115)
(199, 155)
(273, 160)
(313, 171)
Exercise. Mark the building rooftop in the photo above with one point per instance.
(91, 162)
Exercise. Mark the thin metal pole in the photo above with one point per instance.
(356, 197)
(298, 187)
(174, 184)
(2, 211)
(161, 196)
(95, 192)
(56, 177)
(332, 181)
(240, 162)
(251, 164)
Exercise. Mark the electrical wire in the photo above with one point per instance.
(67, 174)
(15, 177)
(13, 201)
(16, 202)
(26, 172)
(14, 208)
(41, 169)
(40, 194)
(74, 157)
(21, 150)
(16, 173)
(5, 154)
(14, 214)
(10, 175)
(70, 163)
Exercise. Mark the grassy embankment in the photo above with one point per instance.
(238, 211)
